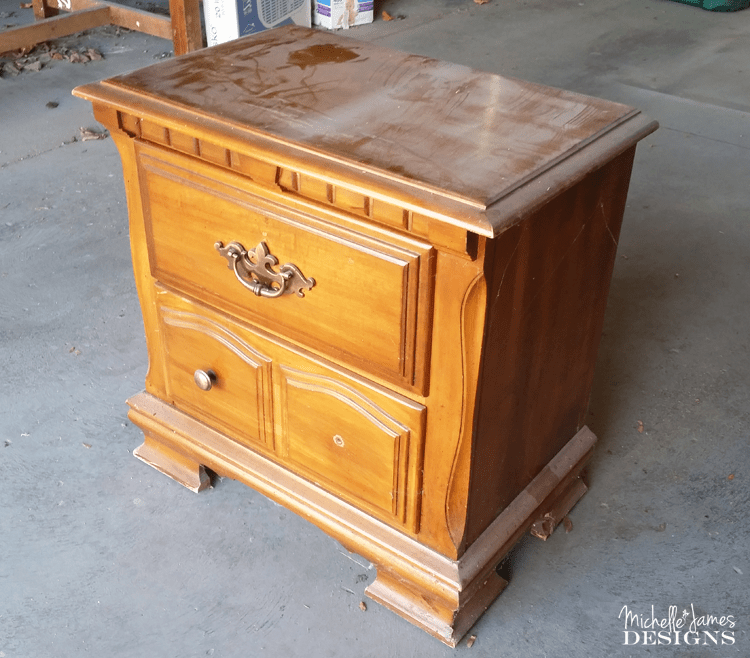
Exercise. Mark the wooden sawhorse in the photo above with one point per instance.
(182, 26)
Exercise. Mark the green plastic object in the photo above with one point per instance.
(717, 5)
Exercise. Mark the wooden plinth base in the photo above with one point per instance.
(180, 468)
(447, 619)
(442, 596)
(450, 619)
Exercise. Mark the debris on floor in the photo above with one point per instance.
(89, 134)
(34, 59)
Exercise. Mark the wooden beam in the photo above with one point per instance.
(52, 28)
(182, 26)
(128, 17)
(43, 10)
(141, 21)
(186, 26)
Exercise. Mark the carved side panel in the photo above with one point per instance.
(458, 331)
(472, 315)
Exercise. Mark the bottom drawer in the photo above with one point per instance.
(351, 436)
(215, 374)
(348, 442)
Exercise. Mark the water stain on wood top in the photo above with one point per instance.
(448, 127)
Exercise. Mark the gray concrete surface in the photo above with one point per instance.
(101, 555)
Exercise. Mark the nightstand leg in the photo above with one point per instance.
(447, 615)
(180, 468)
(446, 602)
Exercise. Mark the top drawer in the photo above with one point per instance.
(371, 300)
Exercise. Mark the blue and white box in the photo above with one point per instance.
(229, 19)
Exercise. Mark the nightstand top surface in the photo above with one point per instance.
(457, 131)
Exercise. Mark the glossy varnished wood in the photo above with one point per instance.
(379, 290)
(399, 122)
(358, 439)
(425, 401)
(547, 295)
(397, 113)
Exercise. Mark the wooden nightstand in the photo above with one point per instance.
(373, 287)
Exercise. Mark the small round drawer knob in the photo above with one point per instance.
(339, 440)
(204, 379)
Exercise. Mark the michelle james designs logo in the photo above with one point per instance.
(681, 627)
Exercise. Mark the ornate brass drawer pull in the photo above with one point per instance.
(253, 270)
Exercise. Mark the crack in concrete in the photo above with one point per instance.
(37, 154)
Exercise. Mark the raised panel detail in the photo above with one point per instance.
(372, 297)
(366, 448)
(239, 401)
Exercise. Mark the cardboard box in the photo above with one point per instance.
(230, 19)
(335, 14)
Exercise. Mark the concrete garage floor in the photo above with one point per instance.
(100, 554)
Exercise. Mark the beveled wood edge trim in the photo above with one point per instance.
(523, 201)
(356, 178)
(488, 220)
(576, 148)
(124, 98)
(357, 530)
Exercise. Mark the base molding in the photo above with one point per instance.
(442, 596)
(448, 619)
